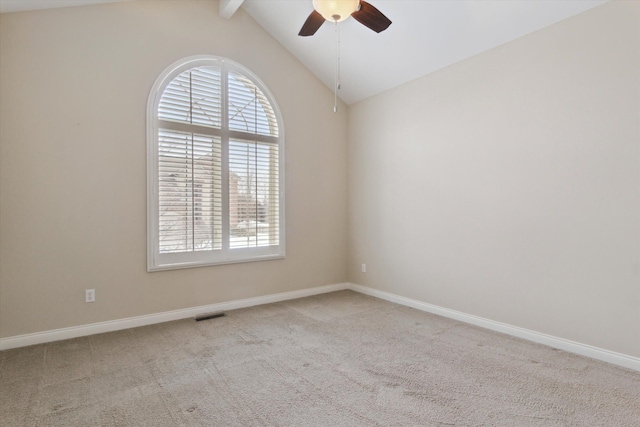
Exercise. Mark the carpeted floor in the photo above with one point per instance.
(339, 359)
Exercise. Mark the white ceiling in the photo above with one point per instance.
(426, 35)
(22, 5)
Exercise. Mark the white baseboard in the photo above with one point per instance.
(133, 322)
(619, 359)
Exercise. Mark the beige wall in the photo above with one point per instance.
(508, 185)
(74, 84)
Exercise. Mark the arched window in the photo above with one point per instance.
(215, 167)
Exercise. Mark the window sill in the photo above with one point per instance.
(181, 265)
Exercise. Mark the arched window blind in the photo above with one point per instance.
(215, 176)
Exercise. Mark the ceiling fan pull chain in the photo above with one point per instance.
(338, 54)
(336, 78)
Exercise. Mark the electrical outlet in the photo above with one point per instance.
(90, 295)
(364, 268)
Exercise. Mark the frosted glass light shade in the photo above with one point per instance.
(336, 10)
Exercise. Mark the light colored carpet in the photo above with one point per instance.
(339, 359)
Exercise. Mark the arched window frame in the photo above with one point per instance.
(225, 254)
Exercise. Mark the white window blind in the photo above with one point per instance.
(249, 109)
(215, 176)
(194, 97)
(189, 192)
(253, 194)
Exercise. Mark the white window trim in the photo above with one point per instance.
(217, 257)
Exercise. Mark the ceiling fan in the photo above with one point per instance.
(339, 10)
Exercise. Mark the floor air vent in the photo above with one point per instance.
(206, 316)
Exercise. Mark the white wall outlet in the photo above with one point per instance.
(90, 295)
(364, 268)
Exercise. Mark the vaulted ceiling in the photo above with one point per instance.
(425, 36)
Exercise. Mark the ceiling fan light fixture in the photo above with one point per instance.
(336, 10)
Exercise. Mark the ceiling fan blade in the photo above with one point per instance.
(371, 17)
(311, 25)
